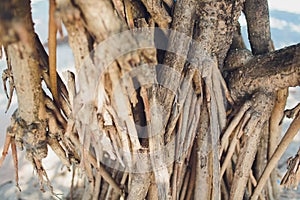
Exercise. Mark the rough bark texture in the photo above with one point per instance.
(155, 123)
(22, 55)
(259, 26)
(270, 72)
(24, 59)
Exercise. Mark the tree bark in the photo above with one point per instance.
(135, 111)
(271, 72)
(24, 59)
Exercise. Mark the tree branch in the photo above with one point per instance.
(269, 72)
(23, 56)
(257, 15)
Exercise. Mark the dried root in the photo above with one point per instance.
(243, 130)
(35, 137)
(11, 141)
(285, 141)
(7, 75)
(232, 126)
(292, 176)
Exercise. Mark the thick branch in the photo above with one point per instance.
(270, 72)
(257, 15)
(23, 56)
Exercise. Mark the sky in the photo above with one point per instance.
(285, 27)
(285, 5)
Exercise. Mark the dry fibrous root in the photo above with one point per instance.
(89, 163)
(245, 130)
(282, 146)
(8, 76)
(292, 177)
(35, 138)
(233, 125)
(233, 134)
(10, 141)
(21, 135)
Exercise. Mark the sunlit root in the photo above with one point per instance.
(292, 176)
(10, 141)
(57, 125)
(52, 50)
(5, 149)
(235, 139)
(63, 95)
(21, 135)
(59, 151)
(158, 12)
(15, 160)
(41, 174)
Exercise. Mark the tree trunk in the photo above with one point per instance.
(170, 103)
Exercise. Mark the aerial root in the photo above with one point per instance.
(7, 75)
(89, 160)
(5, 149)
(237, 133)
(35, 138)
(10, 141)
(232, 126)
(292, 176)
(15, 160)
(285, 141)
